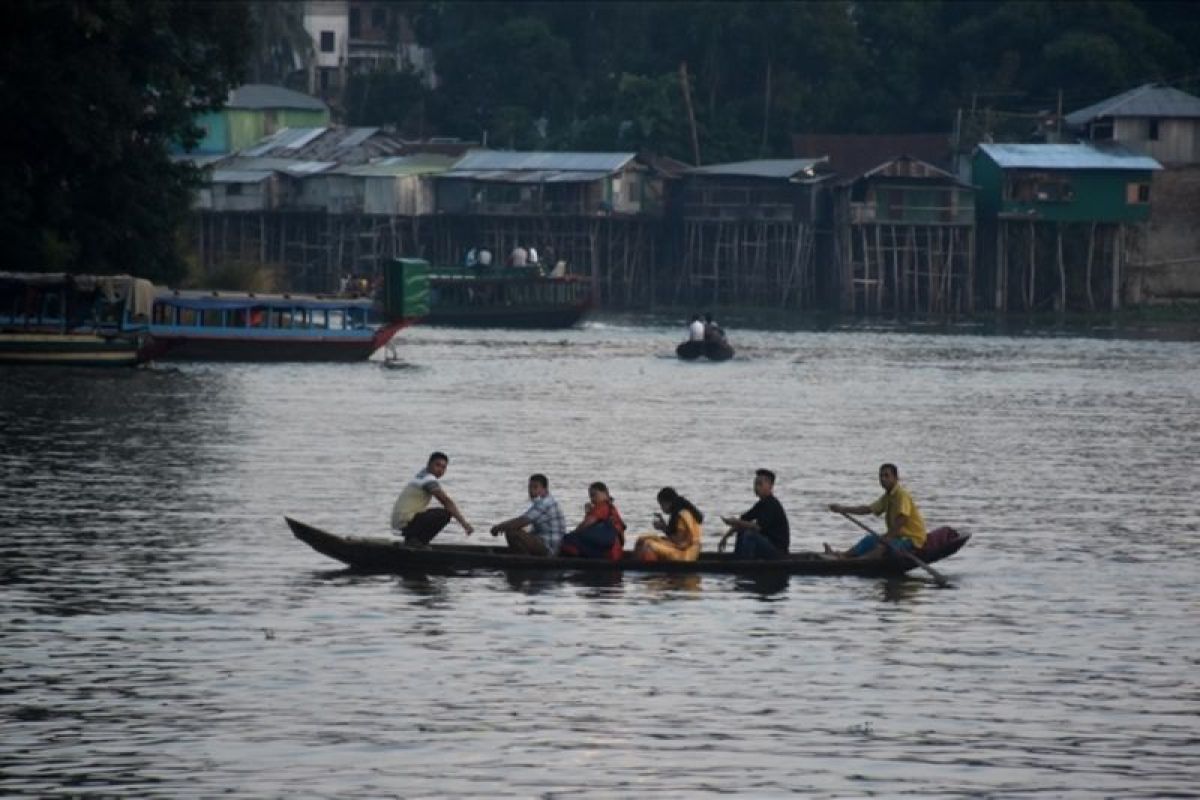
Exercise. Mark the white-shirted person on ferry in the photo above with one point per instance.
(412, 517)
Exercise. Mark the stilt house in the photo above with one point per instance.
(749, 232)
(1053, 214)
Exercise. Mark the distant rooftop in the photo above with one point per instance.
(505, 160)
(1067, 156)
(1148, 100)
(779, 168)
(262, 95)
(852, 155)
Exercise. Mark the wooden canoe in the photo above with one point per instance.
(392, 555)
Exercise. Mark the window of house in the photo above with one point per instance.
(327, 41)
(324, 80)
(355, 23)
(1153, 134)
(378, 17)
(1102, 130)
(233, 189)
(1137, 193)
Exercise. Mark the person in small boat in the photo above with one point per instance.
(411, 516)
(682, 529)
(543, 518)
(696, 329)
(763, 531)
(905, 527)
(712, 331)
(601, 534)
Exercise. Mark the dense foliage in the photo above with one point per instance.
(95, 91)
(606, 75)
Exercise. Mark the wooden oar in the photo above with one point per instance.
(937, 576)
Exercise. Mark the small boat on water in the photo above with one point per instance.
(716, 350)
(392, 555)
(506, 298)
(196, 325)
(75, 320)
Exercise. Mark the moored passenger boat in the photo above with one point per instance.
(75, 320)
(392, 555)
(243, 326)
(506, 298)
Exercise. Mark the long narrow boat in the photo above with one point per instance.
(242, 326)
(75, 320)
(392, 555)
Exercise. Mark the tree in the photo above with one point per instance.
(96, 92)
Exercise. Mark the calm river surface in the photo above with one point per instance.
(162, 634)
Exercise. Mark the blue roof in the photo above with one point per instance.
(1067, 156)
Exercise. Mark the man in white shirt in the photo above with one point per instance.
(696, 329)
(485, 258)
(410, 515)
(519, 256)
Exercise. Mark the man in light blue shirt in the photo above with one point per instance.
(543, 516)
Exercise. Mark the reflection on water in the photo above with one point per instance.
(164, 635)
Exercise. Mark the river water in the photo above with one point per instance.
(163, 635)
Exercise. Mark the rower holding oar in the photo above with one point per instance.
(905, 527)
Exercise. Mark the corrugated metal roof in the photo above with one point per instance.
(289, 166)
(397, 166)
(1067, 156)
(1148, 100)
(355, 137)
(239, 176)
(285, 138)
(779, 168)
(571, 162)
(262, 95)
(523, 176)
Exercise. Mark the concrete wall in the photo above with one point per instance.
(1168, 266)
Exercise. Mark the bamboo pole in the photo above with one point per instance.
(1031, 287)
(1062, 270)
(1091, 303)
(1116, 266)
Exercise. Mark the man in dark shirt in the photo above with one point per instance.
(762, 532)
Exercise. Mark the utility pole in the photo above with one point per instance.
(687, 101)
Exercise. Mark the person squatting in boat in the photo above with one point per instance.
(601, 534)
(905, 527)
(411, 516)
(543, 519)
(682, 529)
(763, 531)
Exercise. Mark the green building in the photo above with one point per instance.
(1057, 222)
(1062, 183)
(254, 111)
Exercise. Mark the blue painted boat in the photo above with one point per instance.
(75, 320)
(209, 325)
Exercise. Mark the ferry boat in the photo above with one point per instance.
(76, 320)
(506, 298)
(197, 325)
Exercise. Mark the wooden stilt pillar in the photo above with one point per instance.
(1062, 270)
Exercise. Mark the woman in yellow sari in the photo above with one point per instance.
(682, 529)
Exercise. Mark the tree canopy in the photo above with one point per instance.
(597, 74)
(95, 93)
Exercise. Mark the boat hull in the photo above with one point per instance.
(393, 556)
(75, 349)
(507, 317)
(196, 348)
(713, 351)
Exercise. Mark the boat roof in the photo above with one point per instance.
(207, 298)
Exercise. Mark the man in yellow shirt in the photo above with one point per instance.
(905, 527)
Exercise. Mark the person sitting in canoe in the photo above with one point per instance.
(543, 517)
(762, 532)
(905, 527)
(682, 529)
(602, 532)
(409, 515)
